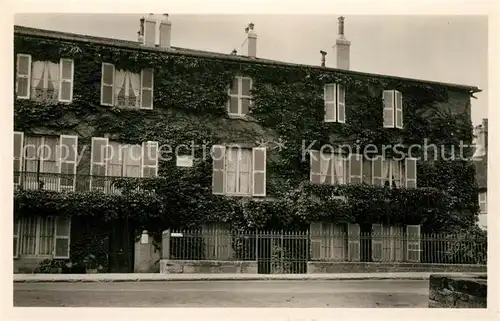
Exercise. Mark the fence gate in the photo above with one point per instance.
(282, 252)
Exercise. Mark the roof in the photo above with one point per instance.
(65, 36)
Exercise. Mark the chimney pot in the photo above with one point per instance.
(323, 54)
(341, 26)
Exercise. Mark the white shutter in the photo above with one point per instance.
(339, 242)
(330, 92)
(147, 89)
(18, 156)
(413, 243)
(353, 241)
(218, 175)
(355, 169)
(316, 236)
(99, 162)
(68, 154)
(23, 76)
(149, 159)
(259, 171)
(377, 242)
(315, 166)
(411, 172)
(341, 104)
(107, 84)
(377, 171)
(62, 237)
(398, 100)
(388, 100)
(66, 75)
(397, 244)
(17, 228)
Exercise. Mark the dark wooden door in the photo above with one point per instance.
(121, 248)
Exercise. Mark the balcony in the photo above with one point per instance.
(70, 182)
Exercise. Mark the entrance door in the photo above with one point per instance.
(121, 248)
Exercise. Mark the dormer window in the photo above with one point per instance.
(239, 96)
(393, 109)
(334, 97)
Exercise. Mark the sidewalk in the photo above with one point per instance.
(148, 277)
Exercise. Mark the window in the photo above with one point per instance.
(334, 96)
(394, 173)
(44, 80)
(42, 236)
(122, 160)
(240, 96)
(327, 168)
(39, 161)
(126, 89)
(393, 109)
(483, 203)
(239, 171)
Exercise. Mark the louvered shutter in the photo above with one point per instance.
(413, 243)
(399, 109)
(218, 177)
(66, 84)
(341, 104)
(315, 166)
(68, 151)
(18, 156)
(353, 241)
(23, 76)
(330, 102)
(377, 242)
(99, 162)
(315, 236)
(107, 84)
(17, 228)
(411, 172)
(339, 242)
(62, 237)
(355, 168)
(147, 89)
(149, 159)
(397, 243)
(388, 100)
(259, 171)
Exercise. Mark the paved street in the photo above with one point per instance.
(299, 294)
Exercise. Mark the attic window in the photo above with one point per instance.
(240, 97)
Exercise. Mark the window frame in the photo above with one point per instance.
(240, 150)
(239, 95)
(483, 201)
(397, 106)
(28, 77)
(38, 231)
(71, 81)
(41, 160)
(335, 157)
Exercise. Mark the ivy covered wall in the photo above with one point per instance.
(190, 95)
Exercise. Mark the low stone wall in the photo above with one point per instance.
(467, 291)
(206, 266)
(368, 267)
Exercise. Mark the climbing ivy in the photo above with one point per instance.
(190, 95)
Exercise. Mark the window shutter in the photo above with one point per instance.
(62, 237)
(18, 156)
(107, 84)
(66, 84)
(315, 236)
(397, 243)
(353, 241)
(218, 177)
(68, 153)
(329, 99)
(355, 168)
(388, 98)
(377, 242)
(17, 227)
(23, 76)
(259, 171)
(411, 172)
(413, 243)
(399, 109)
(315, 166)
(341, 104)
(99, 162)
(377, 170)
(147, 89)
(483, 203)
(339, 242)
(149, 159)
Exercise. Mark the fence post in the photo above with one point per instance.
(165, 245)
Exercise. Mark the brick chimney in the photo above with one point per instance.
(341, 48)
(149, 36)
(251, 41)
(165, 31)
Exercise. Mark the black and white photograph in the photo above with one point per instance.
(250, 160)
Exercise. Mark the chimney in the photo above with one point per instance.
(341, 48)
(484, 133)
(165, 31)
(149, 34)
(252, 41)
(140, 33)
(323, 60)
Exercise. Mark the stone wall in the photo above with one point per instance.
(467, 291)
(206, 266)
(368, 267)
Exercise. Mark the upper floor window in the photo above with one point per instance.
(240, 96)
(328, 168)
(393, 109)
(239, 171)
(44, 80)
(124, 88)
(40, 156)
(483, 202)
(334, 97)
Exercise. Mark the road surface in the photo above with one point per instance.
(198, 294)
